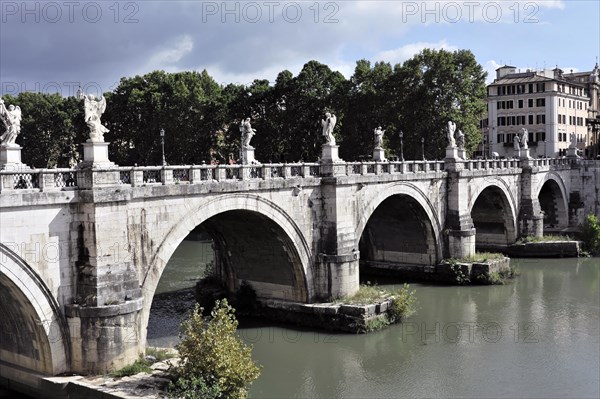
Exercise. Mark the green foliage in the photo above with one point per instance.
(545, 238)
(194, 388)
(366, 294)
(139, 366)
(434, 87)
(52, 129)
(591, 234)
(212, 354)
(377, 323)
(403, 302)
(459, 274)
(479, 257)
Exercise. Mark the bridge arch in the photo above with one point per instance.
(262, 217)
(34, 335)
(552, 196)
(494, 211)
(422, 211)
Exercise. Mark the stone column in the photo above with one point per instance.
(531, 218)
(459, 224)
(338, 256)
(105, 317)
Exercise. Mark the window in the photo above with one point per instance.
(498, 105)
(540, 87)
(500, 138)
(520, 103)
(530, 87)
(531, 119)
(530, 103)
(540, 119)
(540, 102)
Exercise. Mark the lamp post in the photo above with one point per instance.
(162, 142)
(401, 146)
(423, 147)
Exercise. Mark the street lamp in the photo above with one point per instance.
(162, 142)
(401, 146)
(423, 147)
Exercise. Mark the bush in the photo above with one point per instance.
(591, 234)
(402, 304)
(194, 388)
(213, 358)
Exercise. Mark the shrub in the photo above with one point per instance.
(139, 366)
(591, 234)
(402, 305)
(212, 356)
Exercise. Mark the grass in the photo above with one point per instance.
(548, 238)
(142, 365)
(366, 294)
(139, 366)
(481, 257)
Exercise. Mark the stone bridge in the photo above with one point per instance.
(82, 250)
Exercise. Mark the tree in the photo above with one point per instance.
(52, 129)
(187, 105)
(212, 356)
(434, 87)
(368, 106)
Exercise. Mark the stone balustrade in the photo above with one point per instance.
(65, 179)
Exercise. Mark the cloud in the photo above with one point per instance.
(166, 58)
(407, 51)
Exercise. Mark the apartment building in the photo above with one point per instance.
(550, 104)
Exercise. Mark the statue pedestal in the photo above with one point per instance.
(330, 153)
(516, 153)
(572, 153)
(10, 158)
(379, 155)
(452, 153)
(462, 154)
(95, 155)
(248, 156)
(331, 164)
(524, 153)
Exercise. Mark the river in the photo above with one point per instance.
(538, 336)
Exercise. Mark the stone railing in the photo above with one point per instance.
(479, 164)
(67, 179)
(38, 179)
(381, 168)
(137, 176)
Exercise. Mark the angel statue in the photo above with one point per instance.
(328, 124)
(378, 133)
(524, 138)
(451, 130)
(460, 140)
(247, 133)
(516, 143)
(573, 140)
(11, 118)
(93, 110)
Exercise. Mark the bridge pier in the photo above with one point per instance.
(531, 217)
(105, 318)
(338, 258)
(459, 224)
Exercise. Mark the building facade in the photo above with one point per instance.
(554, 107)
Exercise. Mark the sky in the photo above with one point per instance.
(55, 46)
